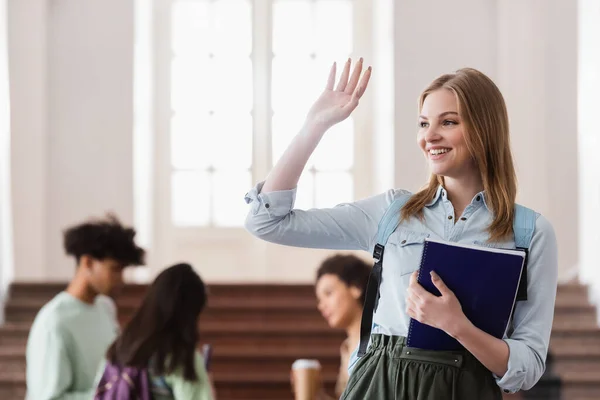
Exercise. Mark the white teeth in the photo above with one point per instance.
(435, 152)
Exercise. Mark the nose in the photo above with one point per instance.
(431, 134)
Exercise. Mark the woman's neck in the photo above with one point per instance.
(461, 192)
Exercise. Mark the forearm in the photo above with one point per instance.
(286, 173)
(493, 353)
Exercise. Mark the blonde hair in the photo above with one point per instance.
(483, 112)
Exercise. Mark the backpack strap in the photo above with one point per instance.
(387, 225)
(523, 228)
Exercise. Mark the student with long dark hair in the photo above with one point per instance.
(163, 337)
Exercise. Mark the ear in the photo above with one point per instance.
(86, 262)
(355, 292)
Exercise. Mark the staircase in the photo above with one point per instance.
(257, 331)
(575, 344)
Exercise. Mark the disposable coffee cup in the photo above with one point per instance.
(306, 379)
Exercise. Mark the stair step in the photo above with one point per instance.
(572, 288)
(572, 299)
(571, 391)
(287, 310)
(222, 334)
(581, 377)
(575, 322)
(578, 364)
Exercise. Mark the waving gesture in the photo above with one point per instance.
(336, 104)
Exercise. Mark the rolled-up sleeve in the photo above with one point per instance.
(349, 226)
(532, 323)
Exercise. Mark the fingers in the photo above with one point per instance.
(355, 77)
(416, 290)
(439, 284)
(331, 79)
(362, 86)
(344, 78)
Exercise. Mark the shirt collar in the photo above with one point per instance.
(441, 192)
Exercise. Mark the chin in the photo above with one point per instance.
(335, 324)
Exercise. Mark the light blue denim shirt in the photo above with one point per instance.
(353, 226)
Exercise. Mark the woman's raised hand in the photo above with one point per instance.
(337, 103)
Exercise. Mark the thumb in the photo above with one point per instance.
(439, 284)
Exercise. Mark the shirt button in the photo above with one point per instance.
(463, 219)
(449, 216)
(267, 205)
(402, 242)
(478, 198)
(506, 390)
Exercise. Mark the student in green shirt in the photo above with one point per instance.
(163, 336)
(71, 333)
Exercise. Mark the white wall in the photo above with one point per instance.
(6, 261)
(589, 142)
(72, 66)
(28, 65)
(529, 49)
(431, 38)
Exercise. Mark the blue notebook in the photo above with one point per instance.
(485, 281)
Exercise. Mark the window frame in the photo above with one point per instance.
(170, 241)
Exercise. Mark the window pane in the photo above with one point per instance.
(233, 27)
(219, 82)
(333, 188)
(230, 86)
(336, 149)
(190, 83)
(292, 27)
(190, 200)
(306, 191)
(333, 28)
(295, 85)
(228, 199)
(189, 146)
(190, 22)
(230, 140)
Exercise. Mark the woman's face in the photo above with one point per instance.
(337, 302)
(441, 136)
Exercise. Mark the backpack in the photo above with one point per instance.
(523, 227)
(123, 383)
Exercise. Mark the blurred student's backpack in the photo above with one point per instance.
(123, 383)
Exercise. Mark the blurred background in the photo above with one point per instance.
(168, 111)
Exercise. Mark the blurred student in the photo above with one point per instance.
(71, 333)
(162, 339)
(340, 289)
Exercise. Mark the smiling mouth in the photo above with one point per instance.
(437, 152)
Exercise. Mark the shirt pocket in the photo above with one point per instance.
(407, 248)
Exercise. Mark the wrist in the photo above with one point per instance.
(460, 328)
(314, 128)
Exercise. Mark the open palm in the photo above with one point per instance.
(335, 105)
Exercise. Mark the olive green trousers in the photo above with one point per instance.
(391, 371)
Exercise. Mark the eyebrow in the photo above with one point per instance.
(441, 115)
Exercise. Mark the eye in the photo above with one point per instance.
(450, 122)
(423, 124)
